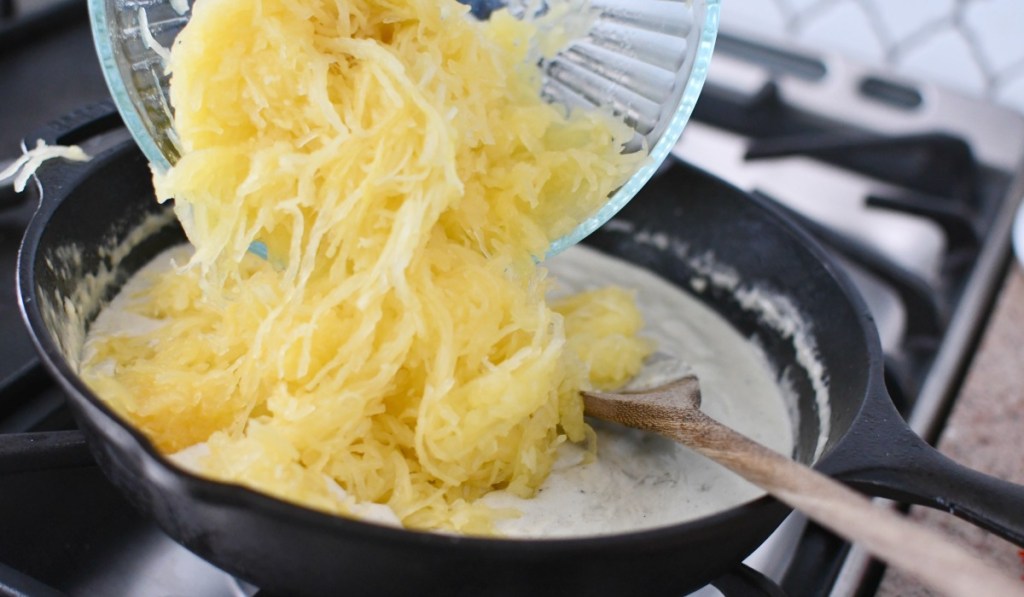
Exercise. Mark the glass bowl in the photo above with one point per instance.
(645, 60)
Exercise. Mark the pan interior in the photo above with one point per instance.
(641, 480)
(75, 276)
(737, 255)
(638, 480)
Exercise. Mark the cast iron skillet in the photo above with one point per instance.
(291, 550)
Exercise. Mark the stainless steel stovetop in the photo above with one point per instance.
(910, 186)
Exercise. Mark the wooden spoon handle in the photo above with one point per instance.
(926, 554)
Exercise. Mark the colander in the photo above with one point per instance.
(644, 60)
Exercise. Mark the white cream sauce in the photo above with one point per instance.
(638, 480)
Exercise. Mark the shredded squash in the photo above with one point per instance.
(395, 347)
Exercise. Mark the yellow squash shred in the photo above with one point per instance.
(395, 347)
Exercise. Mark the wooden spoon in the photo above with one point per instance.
(673, 410)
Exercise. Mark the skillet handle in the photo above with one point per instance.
(75, 128)
(883, 457)
(78, 126)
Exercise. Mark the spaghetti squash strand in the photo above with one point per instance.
(397, 162)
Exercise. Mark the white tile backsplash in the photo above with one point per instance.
(946, 57)
(998, 29)
(800, 5)
(845, 27)
(1012, 93)
(765, 13)
(976, 46)
(901, 19)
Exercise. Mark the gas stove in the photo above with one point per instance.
(912, 188)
